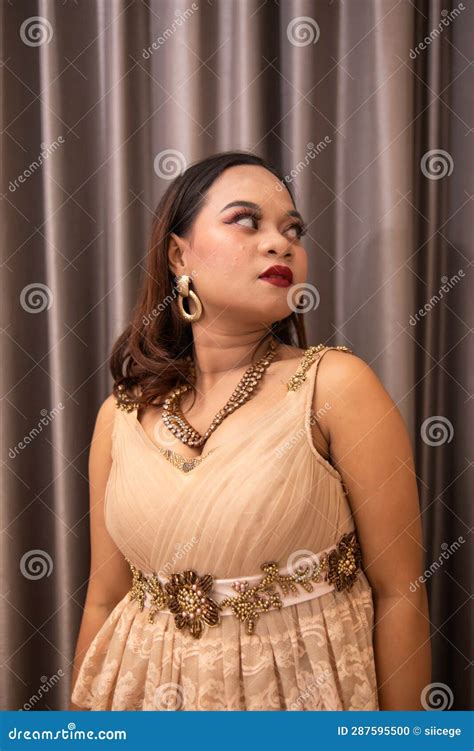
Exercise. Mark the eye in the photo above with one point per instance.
(248, 216)
(253, 218)
(300, 230)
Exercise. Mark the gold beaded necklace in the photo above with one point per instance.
(176, 422)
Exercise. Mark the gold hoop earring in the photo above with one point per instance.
(182, 286)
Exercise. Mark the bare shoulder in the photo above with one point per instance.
(348, 384)
(371, 448)
(102, 437)
(109, 578)
(108, 408)
(345, 370)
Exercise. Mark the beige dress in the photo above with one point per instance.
(259, 497)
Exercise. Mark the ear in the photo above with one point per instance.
(176, 250)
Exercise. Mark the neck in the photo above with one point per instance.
(222, 353)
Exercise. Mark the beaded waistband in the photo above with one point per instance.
(196, 599)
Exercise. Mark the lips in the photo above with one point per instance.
(278, 272)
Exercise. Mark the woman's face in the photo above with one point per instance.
(230, 246)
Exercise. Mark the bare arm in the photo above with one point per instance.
(370, 447)
(109, 578)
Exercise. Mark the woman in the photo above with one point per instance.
(253, 537)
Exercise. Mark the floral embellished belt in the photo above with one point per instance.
(195, 599)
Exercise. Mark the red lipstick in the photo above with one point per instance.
(279, 276)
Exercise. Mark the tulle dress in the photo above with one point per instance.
(266, 495)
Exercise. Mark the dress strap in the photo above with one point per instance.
(123, 401)
(307, 373)
(310, 397)
(126, 405)
(311, 355)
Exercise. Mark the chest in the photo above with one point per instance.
(200, 413)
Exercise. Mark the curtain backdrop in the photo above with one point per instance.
(365, 105)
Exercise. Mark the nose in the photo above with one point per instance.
(276, 244)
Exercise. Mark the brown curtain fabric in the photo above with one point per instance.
(102, 103)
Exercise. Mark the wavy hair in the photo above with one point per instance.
(153, 354)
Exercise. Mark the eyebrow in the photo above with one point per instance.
(251, 205)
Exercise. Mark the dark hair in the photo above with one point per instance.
(153, 353)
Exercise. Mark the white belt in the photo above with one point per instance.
(199, 598)
(222, 588)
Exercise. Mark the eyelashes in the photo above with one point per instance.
(300, 228)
